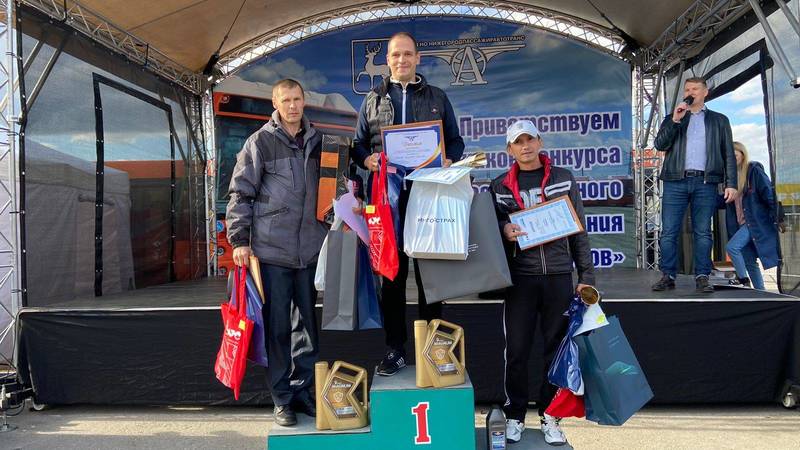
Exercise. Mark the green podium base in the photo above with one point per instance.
(305, 435)
(402, 417)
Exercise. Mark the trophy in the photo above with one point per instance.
(590, 295)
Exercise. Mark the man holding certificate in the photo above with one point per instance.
(540, 213)
(405, 98)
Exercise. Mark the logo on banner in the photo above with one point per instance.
(467, 58)
(468, 63)
(368, 61)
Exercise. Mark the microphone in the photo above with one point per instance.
(688, 100)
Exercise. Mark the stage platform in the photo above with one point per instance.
(157, 345)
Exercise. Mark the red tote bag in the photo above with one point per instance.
(232, 356)
(382, 242)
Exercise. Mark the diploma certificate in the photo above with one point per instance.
(546, 222)
(415, 145)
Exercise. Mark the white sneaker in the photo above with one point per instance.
(552, 431)
(514, 429)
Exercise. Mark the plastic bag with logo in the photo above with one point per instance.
(395, 185)
(437, 218)
(382, 241)
(258, 348)
(238, 328)
(615, 384)
(565, 370)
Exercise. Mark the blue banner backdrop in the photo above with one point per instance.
(494, 73)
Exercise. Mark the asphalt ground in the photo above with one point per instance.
(655, 427)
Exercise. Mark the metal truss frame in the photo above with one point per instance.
(588, 33)
(210, 149)
(193, 114)
(648, 100)
(689, 33)
(101, 30)
(9, 238)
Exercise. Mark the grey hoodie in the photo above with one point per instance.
(273, 196)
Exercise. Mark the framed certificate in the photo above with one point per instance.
(414, 145)
(546, 222)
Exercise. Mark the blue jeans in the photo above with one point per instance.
(677, 196)
(743, 255)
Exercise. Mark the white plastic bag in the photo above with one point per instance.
(437, 217)
(319, 274)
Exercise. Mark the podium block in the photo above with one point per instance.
(407, 417)
(305, 436)
(402, 417)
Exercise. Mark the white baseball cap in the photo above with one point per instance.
(521, 127)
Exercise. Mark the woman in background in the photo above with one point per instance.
(752, 222)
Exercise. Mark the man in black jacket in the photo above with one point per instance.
(698, 144)
(404, 97)
(542, 275)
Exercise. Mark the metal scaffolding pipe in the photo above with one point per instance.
(776, 45)
(677, 85)
(653, 108)
(789, 16)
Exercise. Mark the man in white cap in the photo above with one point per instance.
(542, 275)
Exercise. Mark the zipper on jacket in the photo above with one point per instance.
(544, 264)
(541, 247)
(302, 213)
(303, 206)
(404, 105)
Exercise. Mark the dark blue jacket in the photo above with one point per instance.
(760, 214)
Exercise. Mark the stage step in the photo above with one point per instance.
(402, 416)
(532, 439)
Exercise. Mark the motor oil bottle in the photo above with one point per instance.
(496, 429)
(439, 348)
(341, 396)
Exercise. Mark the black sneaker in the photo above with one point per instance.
(744, 282)
(666, 282)
(305, 405)
(702, 286)
(284, 416)
(391, 363)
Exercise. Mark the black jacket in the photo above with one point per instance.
(427, 103)
(557, 256)
(720, 160)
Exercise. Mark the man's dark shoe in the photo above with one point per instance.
(305, 405)
(284, 416)
(702, 286)
(744, 282)
(392, 363)
(666, 282)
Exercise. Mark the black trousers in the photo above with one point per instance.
(393, 293)
(532, 297)
(291, 331)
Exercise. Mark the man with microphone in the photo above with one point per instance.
(698, 144)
